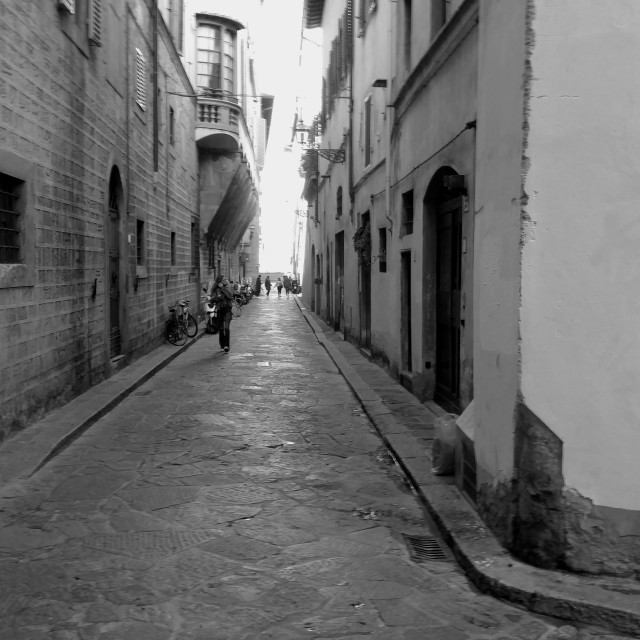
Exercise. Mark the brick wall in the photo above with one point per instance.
(64, 124)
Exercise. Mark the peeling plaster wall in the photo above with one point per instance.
(580, 309)
(501, 76)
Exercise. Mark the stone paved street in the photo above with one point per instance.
(240, 496)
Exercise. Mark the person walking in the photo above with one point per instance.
(286, 281)
(279, 286)
(258, 284)
(267, 285)
(222, 295)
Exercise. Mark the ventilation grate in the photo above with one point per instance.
(424, 548)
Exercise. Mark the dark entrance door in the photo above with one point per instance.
(448, 287)
(365, 292)
(114, 271)
(405, 310)
(338, 321)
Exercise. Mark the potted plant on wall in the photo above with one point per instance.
(362, 243)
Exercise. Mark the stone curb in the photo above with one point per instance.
(27, 452)
(485, 561)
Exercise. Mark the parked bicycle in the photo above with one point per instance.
(174, 330)
(189, 322)
(181, 324)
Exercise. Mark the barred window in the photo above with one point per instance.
(9, 219)
(407, 213)
(141, 80)
(140, 243)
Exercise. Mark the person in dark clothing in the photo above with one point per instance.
(267, 285)
(286, 281)
(222, 295)
(258, 284)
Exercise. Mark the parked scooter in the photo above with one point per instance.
(211, 311)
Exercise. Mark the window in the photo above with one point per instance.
(176, 26)
(141, 80)
(172, 126)
(215, 58)
(140, 243)
(367, 131)
(407, 213)
(173, 248)
(382, 249)
(407, 32)
(10, 221)
(68, 5)
(95, 23)
(339, 203)
(195, 248)
(438, 15)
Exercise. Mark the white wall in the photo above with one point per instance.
(580, 281)
(497, 233)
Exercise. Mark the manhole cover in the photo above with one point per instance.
(424, 548)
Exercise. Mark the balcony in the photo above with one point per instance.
(219, 114)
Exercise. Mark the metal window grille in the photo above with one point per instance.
(9, 220)
(407, 212)
(141, 80)
(140, 242)
(95, 23)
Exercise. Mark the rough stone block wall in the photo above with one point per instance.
(62, 118)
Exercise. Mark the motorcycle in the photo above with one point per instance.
(211, 311)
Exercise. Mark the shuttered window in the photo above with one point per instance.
(141, 80)
(95, 23)
(69, 5)
(177, 24)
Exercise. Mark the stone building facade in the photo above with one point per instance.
(101, 165)
(468, 219)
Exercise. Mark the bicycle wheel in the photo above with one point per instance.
(174, 333)
(192, 326)
(236, 309)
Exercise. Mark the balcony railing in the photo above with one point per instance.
(214, 113)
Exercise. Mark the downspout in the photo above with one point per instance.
(389, 116)
(350, 107)
(154, 84)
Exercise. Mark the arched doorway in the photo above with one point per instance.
(114, 239)
(443, 208)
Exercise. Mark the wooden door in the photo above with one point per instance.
(448, 288)
(114, 274)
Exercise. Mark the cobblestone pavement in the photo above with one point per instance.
(239, 496)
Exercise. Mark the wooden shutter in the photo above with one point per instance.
(141, 80)
(95, 23)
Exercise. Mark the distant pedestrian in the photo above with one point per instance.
(279, 286)
(258, 284)
(286, 282)
(267, 285)
(222, 295)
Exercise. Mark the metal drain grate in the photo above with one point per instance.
(424, 548)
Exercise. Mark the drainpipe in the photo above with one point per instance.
(154, 84)
(389, 116)
(350, 107)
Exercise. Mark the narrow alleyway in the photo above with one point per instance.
(240, 496)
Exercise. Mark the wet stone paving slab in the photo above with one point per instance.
(239, 496)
